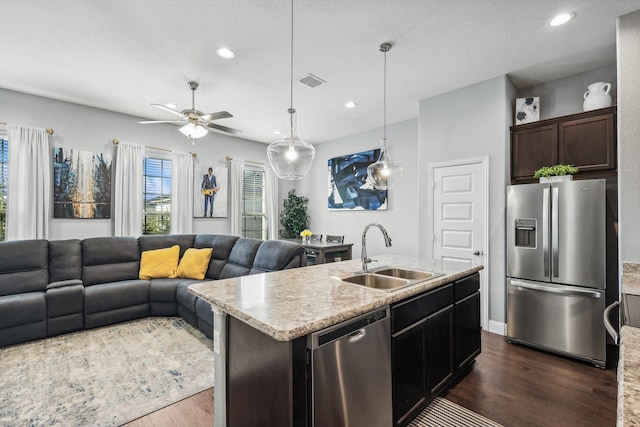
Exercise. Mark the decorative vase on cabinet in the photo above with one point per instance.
(597, 96)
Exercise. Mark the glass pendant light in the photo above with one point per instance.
(385, 173)
(291, 157)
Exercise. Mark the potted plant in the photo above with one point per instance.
(337, 257)
(294, 218)
(556, 173)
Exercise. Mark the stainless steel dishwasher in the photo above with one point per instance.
(350, 380)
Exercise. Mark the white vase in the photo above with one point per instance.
(597, 96)
(557, 178)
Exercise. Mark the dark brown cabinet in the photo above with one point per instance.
(435, 337)
(586, 140)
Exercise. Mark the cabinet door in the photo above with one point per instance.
(531, 149)
(439, 350)
(409, 363)
(467, 330)
(588, 143)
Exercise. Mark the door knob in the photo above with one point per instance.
(477, 253)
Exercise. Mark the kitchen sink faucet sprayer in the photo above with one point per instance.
(363, 256)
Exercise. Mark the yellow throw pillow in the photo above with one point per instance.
(159, 263)
(194, 263)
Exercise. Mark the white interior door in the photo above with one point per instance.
(459, 226)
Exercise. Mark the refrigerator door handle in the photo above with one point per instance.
(564, 290)
(554, 231)
(545, 230)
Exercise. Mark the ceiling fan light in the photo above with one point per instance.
(193, 131)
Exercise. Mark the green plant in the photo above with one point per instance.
(555, 170)
(294, 217)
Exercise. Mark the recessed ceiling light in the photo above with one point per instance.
(562, 18)
(225, 52)
(277, 132)
(171, 105)
(351, 104)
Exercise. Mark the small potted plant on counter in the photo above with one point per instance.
(556, 173)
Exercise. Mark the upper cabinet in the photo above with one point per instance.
(586, 140)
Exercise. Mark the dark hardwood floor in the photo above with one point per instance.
(510, 384)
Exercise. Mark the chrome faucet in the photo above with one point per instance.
(363, 256)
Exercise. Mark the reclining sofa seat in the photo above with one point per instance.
(65, 292)
(24, 275)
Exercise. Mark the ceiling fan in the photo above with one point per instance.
(195, 122)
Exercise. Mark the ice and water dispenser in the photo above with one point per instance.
(526, 233)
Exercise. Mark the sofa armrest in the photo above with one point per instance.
(63, 283)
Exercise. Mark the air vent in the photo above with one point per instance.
(311, 80)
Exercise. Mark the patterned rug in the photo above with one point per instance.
(444, 413)
(103, 377)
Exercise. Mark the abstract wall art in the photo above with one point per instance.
(348, 187)
(527, 110)
(82, 184)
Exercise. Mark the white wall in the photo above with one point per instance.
(471, 122)
(92, 129)
(565, 96)
(400, 219)
(628, 54)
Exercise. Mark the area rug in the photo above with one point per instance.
(103, 377)
(444, 413)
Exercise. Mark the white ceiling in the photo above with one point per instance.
(122, 55)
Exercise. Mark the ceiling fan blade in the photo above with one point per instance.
(170, 110)
(146, 122)
(216, 116)
(223, 128)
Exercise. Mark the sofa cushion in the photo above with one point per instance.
(184, 297)
(163, 290)
(23, 266)
(274, 255)
(221, 245)
(241, 258)
(65, 260)
(115, 295)
(109, 259)
(147, 243)
(194, 263)
(22, 309)
(159, 263)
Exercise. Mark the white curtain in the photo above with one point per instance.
(271, 194)
(29, 190)
(181, 193)
(128, 190)
(235, 187)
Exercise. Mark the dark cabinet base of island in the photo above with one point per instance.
(435, 338)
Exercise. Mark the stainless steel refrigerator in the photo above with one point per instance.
(556, 267)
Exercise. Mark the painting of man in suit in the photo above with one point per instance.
(210, 195)
(208, 189)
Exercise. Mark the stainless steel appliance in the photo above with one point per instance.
(351, 372)
(556, 267)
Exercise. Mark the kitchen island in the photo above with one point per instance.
(261, 325)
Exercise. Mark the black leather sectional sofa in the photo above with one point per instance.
(49, 288)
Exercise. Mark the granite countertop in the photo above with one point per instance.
(629, 377)
(631, 278)
(292, 303)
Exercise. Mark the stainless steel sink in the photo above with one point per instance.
(390, 279)
(403, 273)
(372, 280)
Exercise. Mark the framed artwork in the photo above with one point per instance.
(348, 187)
(527, 110)
(81, 184)
(210, 192)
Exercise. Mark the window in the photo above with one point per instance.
(254, 218)
(157, 196)
(4, 181)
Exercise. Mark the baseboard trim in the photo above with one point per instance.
(498, 328)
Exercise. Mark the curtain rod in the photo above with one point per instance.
(49, 130)
(117, 141)
(247, 161)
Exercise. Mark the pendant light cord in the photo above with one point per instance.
(291, 110)
(384, 100)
